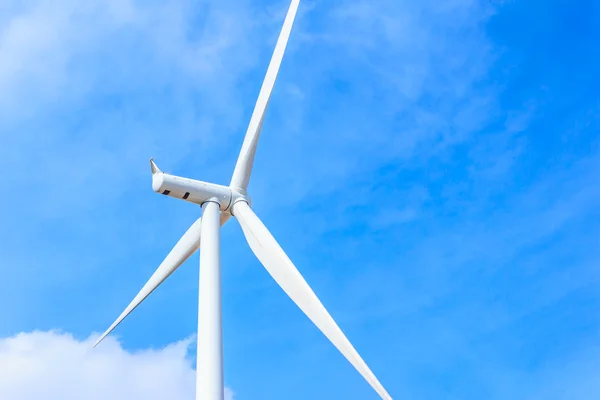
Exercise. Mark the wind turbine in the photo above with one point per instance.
(218, 204)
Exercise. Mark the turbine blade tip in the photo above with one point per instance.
(100, 340)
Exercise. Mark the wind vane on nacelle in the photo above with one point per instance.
(153, 167)
(219, 203)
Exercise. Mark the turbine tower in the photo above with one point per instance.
(219, 203)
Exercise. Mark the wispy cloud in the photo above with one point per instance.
(403, 83)
(104, 85)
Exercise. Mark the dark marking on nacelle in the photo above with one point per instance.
(186, 195)
(166, 192)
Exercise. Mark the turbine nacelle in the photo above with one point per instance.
(194, 191)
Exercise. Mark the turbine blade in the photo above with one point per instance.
(186, 246)
(277, 263)
(243, 167)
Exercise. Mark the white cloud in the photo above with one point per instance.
(56, 366)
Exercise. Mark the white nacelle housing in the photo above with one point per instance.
(191, 190)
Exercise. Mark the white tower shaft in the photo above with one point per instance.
(209, 356)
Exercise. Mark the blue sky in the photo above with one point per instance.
(436, 166)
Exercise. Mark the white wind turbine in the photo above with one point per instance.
(219, 203)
